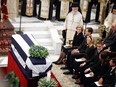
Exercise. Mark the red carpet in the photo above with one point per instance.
(52, 75)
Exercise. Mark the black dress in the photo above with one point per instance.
(77, 40)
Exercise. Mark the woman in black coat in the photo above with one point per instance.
(77, 40)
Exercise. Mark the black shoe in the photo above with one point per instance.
(78, 82)
(58, 63)
(54, 62)
(63, 68)
(67, 73)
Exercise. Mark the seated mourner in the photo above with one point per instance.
(81, 48)
(84, 56)
(93, 60)
(93, 73)
(109, 78)
(110, 41)
(77, 40)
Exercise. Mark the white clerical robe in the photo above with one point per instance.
(71, 22)
(109, 20)
(64, 9)
(84, 6)
(13, 8)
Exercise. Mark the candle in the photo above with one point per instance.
(48, 75)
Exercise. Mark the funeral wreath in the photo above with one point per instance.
(38, 51)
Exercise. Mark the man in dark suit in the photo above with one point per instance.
(95, 71)
(108, 79)
(95, 59)
(110, 41)
(81, 48)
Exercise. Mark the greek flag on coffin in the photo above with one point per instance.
(31, 66)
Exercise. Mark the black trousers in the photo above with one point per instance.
(71, 64)
(88, 15)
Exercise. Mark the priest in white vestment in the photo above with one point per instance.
(111, 18)
(28, 8)
(45, 9)
(62, 9)
(73, 19)
(13, 8)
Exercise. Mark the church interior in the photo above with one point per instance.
(34, 35)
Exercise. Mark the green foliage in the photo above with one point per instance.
(14, 82)
(10, 80)
(9, 76)
(38, 51)
(44, 83)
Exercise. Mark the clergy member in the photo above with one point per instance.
(111, 18)
(45, 9)
(28, 8)
(104, 8)
(62, 9)
(13, 8)
(86, 11)
(73, 19)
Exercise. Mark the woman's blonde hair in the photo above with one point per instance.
(79, 26)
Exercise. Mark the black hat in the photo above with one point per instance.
(75, 4)
(114, 7)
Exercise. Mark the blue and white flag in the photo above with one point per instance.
(20, 49)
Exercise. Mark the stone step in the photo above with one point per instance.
(44, 42)
(39, 34)
(31, 29)
(50, 49)
(24, 19)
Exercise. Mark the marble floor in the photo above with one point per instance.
(66, 81)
